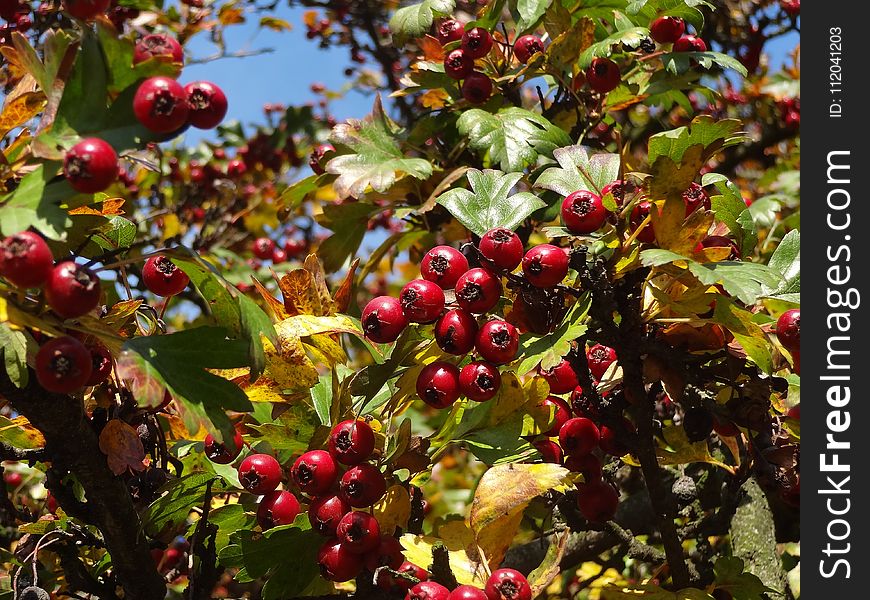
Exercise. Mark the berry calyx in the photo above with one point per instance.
(551, 452)
(455, 332)
(314, 472)
(443, 265)
(479, 381)
(63, 365)
(497, 342)
(583, 212)
(325, 512)
(219, 452)
(501, 249)
(545, 265)
(25, 260)
(438, 384)
(422, 301)
(86, 9)
(507, 584)
(259, 473)
(338, 563)
(562, 378)
(561, 413)
(90, 166)
(162, 277)
(458, 64)
(160, 104)
(351, 442)
(449, 30)
(428, 590)
(263, 248)
(72, 290)
(362, 485)
(477, 88)
(526, 46)
(476, 42)
(277, 508)
(578, 436)
(788, 329)
(599, 357)
(383, 320)
(478, 291)
(619, 189)
(207, 104)
(690, 43)
(597, 501)
(603, 75)
(694, 198)
(158, 45)
(359, 532)
(667, 30)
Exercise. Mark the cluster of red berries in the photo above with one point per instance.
(790, 110)
(265, 248)
(788, 332)
(672, 30)
(459, 63)
(503, 584)
(17, 16)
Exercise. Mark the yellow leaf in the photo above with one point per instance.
(20, 109)
(275, 24)
(171, 227)
(393, 510)
(20, 433)
(290, 368)
(300, 297)
(315, 267)
(434, 99)
(122, 447)
(229, 14)
(509, 399)
(680, 451)
(108, 208)
(459, 542)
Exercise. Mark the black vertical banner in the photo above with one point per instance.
(835, 443)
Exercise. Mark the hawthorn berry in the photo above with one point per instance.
(86, 9)
(101, 363)
(690, 43)
(476, 42)
(162, 277)
(449, 30)
(383, 320)
(325, 512)
(578, 436)
(697, 423)
(160, 104)
(639, 213)
(455, 332)
(667, 30)
(279, 507)
(545, 265)
(562, 378)
(609, 443)
(588, 465)
(501, 249)
(619, 189)
(219, 452)
(526, 46)
(443, 265)
(207, 104)
(337, 562)
(236, 168)
(72, 290)
(694, 198)
(479, 381)
(788, 329)
(477, 88)
(508, 584)
(415, 571)
(25, 260)
(551, 452)
(351, 442)
(603, 75)
(63, 365)
(438, 384)
(314, 472)
(599, 357)
(583, 212)
(294, 247)
(478, 291)
(263, 248)
(597, 501)
(359, 532)
(724, 427)
(497, 342)
(422, 301)
(458, 64)
(796, 361)
(428, 590)
(157, 45)
(259, 473)
(467, 592)
(584, 405)
(387, 554)
(561, 413)
(362, 485)
(90, 166)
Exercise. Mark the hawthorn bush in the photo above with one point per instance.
(531, 328)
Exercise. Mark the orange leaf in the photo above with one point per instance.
(20, 110)
(122, 446)
(342, 295)
(432, 49)
(300, 298)
(272, 304)
(109, 207)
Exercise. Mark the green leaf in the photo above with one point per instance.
(118, 53)
(489, 205)
(731, 577)
(530, 12)
(117, 232)
(549, 349)
(321, 397)
(579, 170)
(684, 9)
(631, 37)
(230, 518)
(13, 346)
(296, 193)
(500, 444)
(35, 204)
(786, 261)
(705, 131)
(291, 431)
(83, 103)
(513, 137)
(416, 19)
(730, 208)
(680, 62)
(751, 337)
(173, 507)
(349, 224)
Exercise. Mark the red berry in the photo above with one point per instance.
(476, 42)
(422, 301)
(260, 473)
(236, 168)
(338, 563)
(101, 363)
(603, 75)
(158, 44)
(561, 413)
(502, 249)
(86, 9)
(597, 501)
(477, 88)
(72, 290)
(428, 590)
(796, 361)
(467, 592)
(314, 472)
(479, 381)
(387, 554)
(383, 320)
(508, 584)
(362, 485)
(583, 212)
(608, 441)
(724, 428)
(359, 532)
(690, 43)
(551, 452)
(619, 189)
(63, 365)
(589, 466)
(639, 213)
(497, 342)
(562, 378)
(207, 104)
(788, 329)
(443, 265)
(25, 260)
(351, 442)
(12, 479)
(162, 277)
(160, 104)
(545, 265)
(263, 248)
(458, 64)
(438, 384)
(667, 30)
(478, 291)
(526, 46)
(90, 166)
(220, 453)
(455, 332)
(293, 247)
(583, 406)
(277, 508)
(325, 512)
(694, 198)
(599, 358)
(449, 30)
(315, 161)
(578, 436)
(409, 568)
